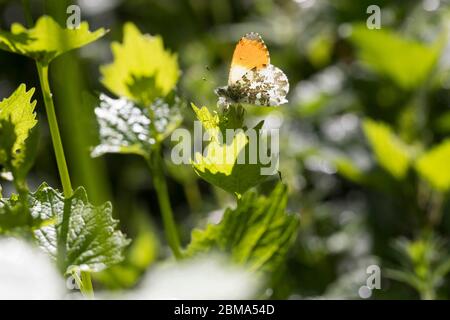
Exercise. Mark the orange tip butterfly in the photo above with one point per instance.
(252, 78)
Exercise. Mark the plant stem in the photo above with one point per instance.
(427, 294)
(86, 283)
(157, 170)
(54, 130)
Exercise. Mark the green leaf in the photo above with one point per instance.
(128, 129)
(142, 70)
(138, 257)
(423, 263)
(221, 166)
(17, 143)
(46, 40)
(25, 158)
(258, 233)
(15, 218)
(348, 169)
(20, 110)
(7, 141)
(82, 237)
(384, 52)
(391, 153)
(433, 166)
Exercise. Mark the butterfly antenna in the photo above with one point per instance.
(280, 176)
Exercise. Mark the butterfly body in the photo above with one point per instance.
(252, 79)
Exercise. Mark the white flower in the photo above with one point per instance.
(209, 277)
(27, 273)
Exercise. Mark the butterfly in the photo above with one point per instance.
(252, 78)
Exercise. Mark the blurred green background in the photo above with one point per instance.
(364, 147)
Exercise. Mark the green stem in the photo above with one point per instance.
(54, 130)
(427, 294)
(159, 181)
(86, 283)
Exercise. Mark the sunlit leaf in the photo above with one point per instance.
(391, 153)
(82, 237)
(258, 233)
(17, 144)
(407, 62)
(142, 69)
(46, 40)
(127, 128)
(7, 142)
(434, 166)
(20, 109)
(227, 164)
(17, 151)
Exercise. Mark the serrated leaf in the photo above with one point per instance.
(46, 40)
(20, 110)
(127, 128)
(15, 218)
(210, 120)
(17, 144)
(391, 153)
(142, 69)
(25, 158)
(258, 233)
(389, 59)
(141, 253)
(221, 166)
(82, 237)
(433, 166)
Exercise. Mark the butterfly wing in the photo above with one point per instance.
(250, 53)
(263, 87)
(252, 78)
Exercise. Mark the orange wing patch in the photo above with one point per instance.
(250, 52)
